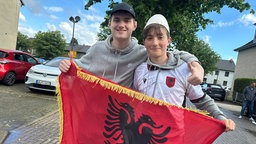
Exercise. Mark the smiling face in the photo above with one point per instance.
(122, 24)
(156, 40)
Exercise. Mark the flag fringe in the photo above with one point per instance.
(116, 88)
(129, 92)
(59, 100)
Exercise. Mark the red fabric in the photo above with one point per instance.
(94, 114)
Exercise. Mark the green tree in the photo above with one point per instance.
(185, 17)
(23, 43)
(49, 44)
(206, 55)
(104, 32)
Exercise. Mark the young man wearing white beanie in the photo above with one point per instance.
(164, 74)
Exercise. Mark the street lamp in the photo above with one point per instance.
(73, 20)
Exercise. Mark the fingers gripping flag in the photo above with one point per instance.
(96, 111)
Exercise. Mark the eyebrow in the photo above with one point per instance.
(118, 17)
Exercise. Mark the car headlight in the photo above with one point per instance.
(30, 71)
(3, 61)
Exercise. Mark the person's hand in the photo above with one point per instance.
(64, 65)
(230, 125)
(197, 73)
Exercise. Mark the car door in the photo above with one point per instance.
(18, 65)
(25, 63)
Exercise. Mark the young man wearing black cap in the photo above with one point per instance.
(117, 57)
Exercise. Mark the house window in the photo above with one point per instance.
(226, 74)
(225, 83)
(216, 72)
(215, 81)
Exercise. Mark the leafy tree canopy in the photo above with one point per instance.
(23, 43)
(49, 44)
(206, 55)
(185, 17)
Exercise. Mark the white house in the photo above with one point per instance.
(223, 74)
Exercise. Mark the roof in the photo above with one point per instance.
(79, 48)
(249, 45)
(226, 65)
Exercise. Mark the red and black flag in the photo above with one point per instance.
(97, 111)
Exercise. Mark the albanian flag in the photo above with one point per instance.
(97, 111)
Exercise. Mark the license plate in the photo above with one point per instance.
(43, 82)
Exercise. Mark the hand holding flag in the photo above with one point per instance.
(96, 110)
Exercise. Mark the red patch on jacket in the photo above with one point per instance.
(170, 81)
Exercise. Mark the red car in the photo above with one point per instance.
(14, 65)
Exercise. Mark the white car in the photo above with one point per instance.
(44, 76)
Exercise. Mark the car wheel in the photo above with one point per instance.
(9, 78)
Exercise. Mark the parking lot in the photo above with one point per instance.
(33, 118)
(19, 106)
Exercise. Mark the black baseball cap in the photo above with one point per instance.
(123, 7)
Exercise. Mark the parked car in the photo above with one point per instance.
(44, 76)
(14, 65)
(41, 60)
(214, 90)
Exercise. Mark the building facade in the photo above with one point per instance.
(223, 74)
(246, 61)
(9, 19)
(245, 65)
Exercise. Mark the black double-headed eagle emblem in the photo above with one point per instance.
(121, 126)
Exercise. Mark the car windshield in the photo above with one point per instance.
(204, 86)
(40, 60)
(3, 54)
(54, 62)
(216, 86)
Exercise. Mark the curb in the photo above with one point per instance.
(3, 135)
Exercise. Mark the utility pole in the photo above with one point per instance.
(74, 21)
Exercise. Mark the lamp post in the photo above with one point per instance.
(73, 20)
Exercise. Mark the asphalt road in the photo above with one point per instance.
(18, 105)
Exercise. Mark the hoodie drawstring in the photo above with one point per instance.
(116, 53)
